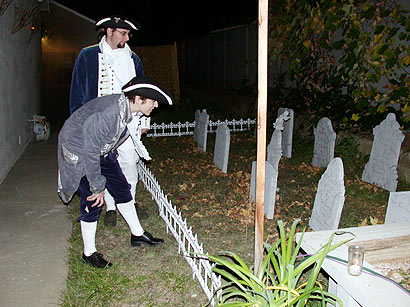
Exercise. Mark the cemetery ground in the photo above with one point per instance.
(217, 207)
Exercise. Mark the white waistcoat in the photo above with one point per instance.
(115, 68)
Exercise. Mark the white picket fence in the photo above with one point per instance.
(187, 128)
(187, 242)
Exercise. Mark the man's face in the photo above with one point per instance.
(117, 38)
(144, 106)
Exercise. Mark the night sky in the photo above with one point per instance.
(168, 21)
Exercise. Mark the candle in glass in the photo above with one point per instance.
(355, 260)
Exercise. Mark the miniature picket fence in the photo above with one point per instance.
(187, 128)
(187, 242)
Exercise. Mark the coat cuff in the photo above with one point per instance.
(96, 190)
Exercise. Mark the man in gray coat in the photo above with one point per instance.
(87, 159)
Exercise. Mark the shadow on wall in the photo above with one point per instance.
(57, 69)
(60, 47)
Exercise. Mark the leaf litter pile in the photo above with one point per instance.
(218, 208)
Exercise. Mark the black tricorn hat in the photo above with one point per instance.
(147, 88)
(118, 21)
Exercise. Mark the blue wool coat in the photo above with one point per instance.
(84, 81)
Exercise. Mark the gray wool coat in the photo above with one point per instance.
(92, 131)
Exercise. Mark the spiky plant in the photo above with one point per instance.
(284, 279)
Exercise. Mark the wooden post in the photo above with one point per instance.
(261, 131)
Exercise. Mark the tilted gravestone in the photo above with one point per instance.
(274, 151)
(271, 180)
(197, 113)
(330, 197)
(381, 169)
(287, 134)
(222, 143)
(203, 121)
(398, 207)
(324, 147)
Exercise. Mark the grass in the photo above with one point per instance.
(143, 276)
(217, 207)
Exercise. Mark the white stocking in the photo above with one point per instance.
(129, 214)
(109, 200)
(88, 231)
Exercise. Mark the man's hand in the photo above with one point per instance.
(145, 130)
(99, 199)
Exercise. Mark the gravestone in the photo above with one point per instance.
(287, 134)
(203, 121)
(274, 151)
(324, 147)
(271, 181)
(197, 113)
(381, 169)
(222, 143)
(398, 207)
(330, 197)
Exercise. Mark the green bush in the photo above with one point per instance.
(346, 59)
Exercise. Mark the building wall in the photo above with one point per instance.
(161, 64)
(20, 73)
(227, 58)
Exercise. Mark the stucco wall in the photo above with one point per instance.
(20, 74)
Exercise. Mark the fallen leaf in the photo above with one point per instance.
(363, 223)
(183, 187)
(374, 220)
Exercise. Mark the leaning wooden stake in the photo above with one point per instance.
(261, 131)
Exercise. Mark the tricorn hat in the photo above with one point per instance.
(147, 88)
(118, 21)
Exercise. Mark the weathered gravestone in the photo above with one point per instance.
(330, 197)
(398, 207)
(384, 157)
(287, 134)
(324, 147)
(271, 181)
(274, 151)
(197, 113)
(222, 143)
(203, 121)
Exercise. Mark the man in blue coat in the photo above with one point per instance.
(102, 70)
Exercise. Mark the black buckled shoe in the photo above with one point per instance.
(97, 260)
(110, 218)
(146, 238)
